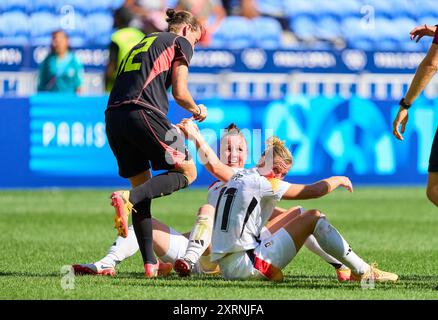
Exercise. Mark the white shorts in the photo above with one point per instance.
(177, 248)
(265, 261)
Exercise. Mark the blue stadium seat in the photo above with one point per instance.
(425, 44)
(401, 28)
(328, 28)
(234, 32)
(77, 41)
(270, 7)
(353, 29)
(268, 33)
(362, 44)
(383, 9)
(299, 8)
(100, 28)
(15, 5)
(387, 45)
(14, 28)
(348, 8)
(384, 29)
(104, 6)
(304, 27)
(116, 4)
(44, 5)
(409, 45)
(42, 25)
(427, 19)
(171, 3)
(332, 9)
(79, 6)
(426, 8)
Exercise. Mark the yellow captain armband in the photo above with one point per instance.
(275, 183)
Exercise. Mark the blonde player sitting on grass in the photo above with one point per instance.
(245, 204)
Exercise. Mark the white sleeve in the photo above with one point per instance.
(273, 188)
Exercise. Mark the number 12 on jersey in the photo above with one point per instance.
(127, 63)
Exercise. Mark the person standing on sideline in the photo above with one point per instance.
(139, 132)
(60, 71)
(122, 40)
(425, 71)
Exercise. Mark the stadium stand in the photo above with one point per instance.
(43, 23)
(12, 5)
(269, 32)
(240, 37)
(14, 28)
(311, 25)
(100, 28)
(357, 24)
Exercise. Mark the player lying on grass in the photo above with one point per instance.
(169, 245)
(245, 204)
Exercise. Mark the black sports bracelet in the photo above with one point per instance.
(404, 105)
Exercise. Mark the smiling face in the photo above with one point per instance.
(233, 151)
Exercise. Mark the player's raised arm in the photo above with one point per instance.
(425, 71)
(181, 93)
(211, 161)
(317, 189)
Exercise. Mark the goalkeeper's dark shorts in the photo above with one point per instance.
(141, 138)
(433, 160)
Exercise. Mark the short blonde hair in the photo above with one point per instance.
(277, 148)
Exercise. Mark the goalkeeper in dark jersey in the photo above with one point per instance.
(139, 133)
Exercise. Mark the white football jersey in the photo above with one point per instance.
(215, 189)
(245, 204)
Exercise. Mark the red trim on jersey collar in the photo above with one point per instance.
(211, 185)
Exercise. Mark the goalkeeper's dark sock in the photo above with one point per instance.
(158, 186)
(142, 221)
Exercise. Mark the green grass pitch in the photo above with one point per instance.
(41, 231)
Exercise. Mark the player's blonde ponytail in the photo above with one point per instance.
(276, 147)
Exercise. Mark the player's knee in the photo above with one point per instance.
(313, 213)
(311, 218)
(190, 172)
(192, 176)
